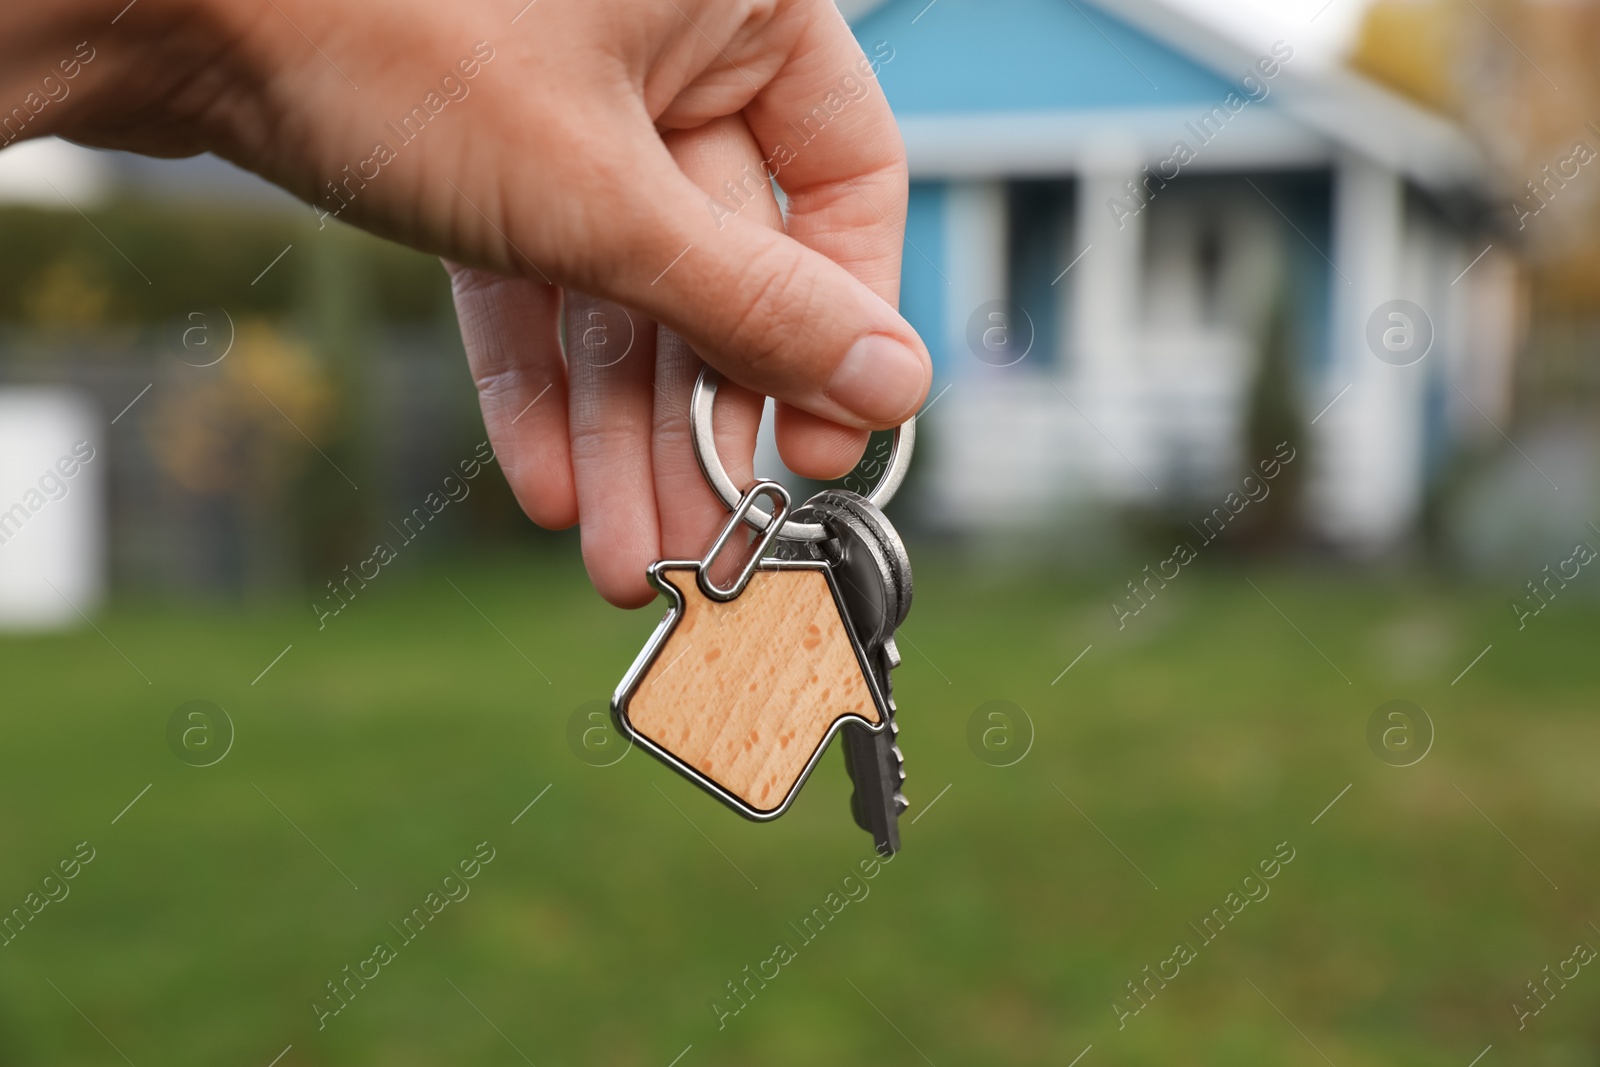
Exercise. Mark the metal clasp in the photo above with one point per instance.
(781, 503)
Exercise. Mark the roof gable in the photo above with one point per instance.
(963, 56)
(972, 61)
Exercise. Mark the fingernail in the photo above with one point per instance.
(880, 379)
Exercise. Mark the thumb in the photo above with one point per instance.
(765, 310)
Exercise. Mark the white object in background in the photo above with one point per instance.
(54, 174)
(52, 508)
(1367, 476)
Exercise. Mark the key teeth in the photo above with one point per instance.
(889, 766)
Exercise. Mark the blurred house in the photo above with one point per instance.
(243, 372)
(1119, 219)
(1141, 252)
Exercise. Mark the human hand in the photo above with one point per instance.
(534, 142)
(616, 450)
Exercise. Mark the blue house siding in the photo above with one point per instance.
(1026, 55)
(922, 286)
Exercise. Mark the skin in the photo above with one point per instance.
(570, 180)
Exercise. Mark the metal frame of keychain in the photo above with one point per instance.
(836, 595)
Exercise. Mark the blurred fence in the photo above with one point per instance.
(268, 465)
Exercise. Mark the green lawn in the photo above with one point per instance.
(1179, 753)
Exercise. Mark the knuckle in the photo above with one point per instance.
(606, 443)
(774, 316)
(758, 12)
(496, 380)
(468, 282)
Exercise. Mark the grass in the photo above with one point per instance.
(1176, 753)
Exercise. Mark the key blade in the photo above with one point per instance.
(869, 759)
(874, 582)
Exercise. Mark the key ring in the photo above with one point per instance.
(701, 404)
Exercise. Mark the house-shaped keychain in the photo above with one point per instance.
(741, 689)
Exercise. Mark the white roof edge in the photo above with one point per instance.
(1047, 144)
(1349, 109)
(854, 9)
(1345, 106)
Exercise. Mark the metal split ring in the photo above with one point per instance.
(701, 403)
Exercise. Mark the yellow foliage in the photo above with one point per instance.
(1411, 46)
(66, 296)
(246, 424)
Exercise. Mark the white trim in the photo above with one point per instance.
(855, 9)
(975, 263)
(1067, 142)
(1332, 102)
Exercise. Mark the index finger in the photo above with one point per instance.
(830, 141)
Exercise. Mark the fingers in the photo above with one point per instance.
(721, 156)
(808, 321)
(762, 308)
(509, 329)
(610, 362)
(813, 447)
(826, 126)
(691, 513)
(714, 156)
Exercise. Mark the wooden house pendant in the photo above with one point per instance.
(741, 688)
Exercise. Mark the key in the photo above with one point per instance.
(741, 686)
(874, 577)
(873, 573)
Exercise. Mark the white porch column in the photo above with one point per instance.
(1366, 486)
(1487, 325)
(975, 236)
(1103, 373)
(985, 472)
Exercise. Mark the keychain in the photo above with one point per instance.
(741, 687)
